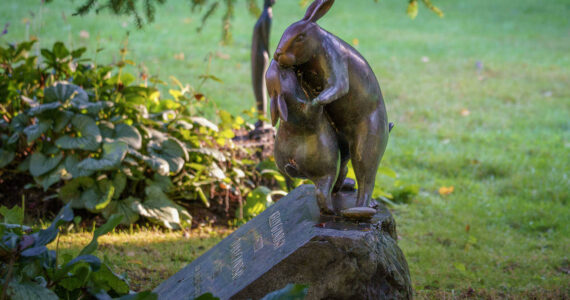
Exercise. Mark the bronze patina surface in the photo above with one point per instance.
(305, 145)
(260, 56)
(341, 80)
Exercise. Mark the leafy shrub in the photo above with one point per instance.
(31, 271)
(111, 146)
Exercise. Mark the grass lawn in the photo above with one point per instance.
(481, 102)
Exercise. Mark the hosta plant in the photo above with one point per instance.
(31, 271)
(111, 146)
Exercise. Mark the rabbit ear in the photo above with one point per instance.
(317, 9)
(283, 112)
(274, 111)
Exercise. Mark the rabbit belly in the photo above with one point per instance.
(302, 155)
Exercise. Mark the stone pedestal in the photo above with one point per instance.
(292, 243)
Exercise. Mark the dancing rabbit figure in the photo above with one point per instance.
(305, 142)
(344, 83)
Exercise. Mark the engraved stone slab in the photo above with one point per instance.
(256, 248)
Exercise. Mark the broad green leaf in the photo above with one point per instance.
(48, 55)
(33, 132)
(64, 91)
(125, 79)
(119, 182)
(29, 290)
(172, 151)
(14, 215)
(207, 296)
(92, 108)
(128, 134)
(214, 153)
(123, 208)
(273, 174)
(155, 134)
(227, 134)
(226, 118)
(6, 157)
(50, 149)
(24, 166)
(104, 229)
(107, 197)
(107, 129)
(34, 111)
(19, 122)
(71, 192)
(175, 93)
(290, 292)
(109, 281)
(257, 201)
(59, 50)
(90, 199)
(205, 123)
(184, 125)
(40, 164)
(216, 172)
(90, 136)
(163, 182)
(412, 9)
(46, 236)
(157, 164)
(71, 163)
(77, 278)
(93, 261)
(14, 138)
(146, 295)
(61, 119)
(158, 208)
(30, 102)
(77, 53)
(136, 95)
(113, 155)
(52, 177)
(34, 251)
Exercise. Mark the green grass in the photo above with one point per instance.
(147, 256)
(508, 159)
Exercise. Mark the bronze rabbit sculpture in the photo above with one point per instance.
(260, 56)
(305, 143)
(346, 86)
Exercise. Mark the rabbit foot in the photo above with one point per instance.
(326, 210)
(322, 203)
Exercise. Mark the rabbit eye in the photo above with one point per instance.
(300, 37)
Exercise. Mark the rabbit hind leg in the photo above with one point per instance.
(343, 168)
(366, 152)
(323, 193)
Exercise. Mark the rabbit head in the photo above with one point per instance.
(273, 81)
(300, 40)
(284, 89)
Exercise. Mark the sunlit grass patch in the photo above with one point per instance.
(147, 256)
